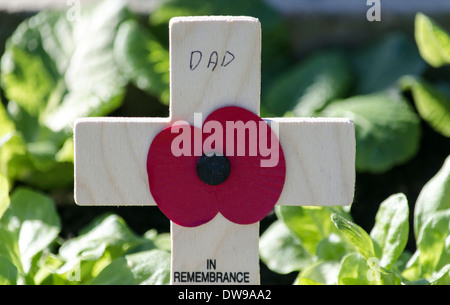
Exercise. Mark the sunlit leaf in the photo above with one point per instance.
(281, 250)
(307, 88)
(434, 197)
(387, 130)
(33, 219)
(143, 60)
(143, 268)
(390, 232)
(433, 41)
(355, 235)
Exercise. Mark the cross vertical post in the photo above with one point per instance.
(215, 62)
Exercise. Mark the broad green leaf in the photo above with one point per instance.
(9, 247)
(162, 241)
(332, 248)
(305, 281)
(355, 271)
(434, 197)
(387, 130)
(321, 272)
(390, 232)
(441, 277)
(8, 272)
(25, 77)
(98, 244)
(143, 59)
(13, 159)
(52, 72)
(281, 250)
(92, 79)
(30, 153)
(106, 232)
(47, 266)
(4, 195)
(143, 268)
(57, 70)
(6, 125)
(411, 271)
(66, 153)
(309, 224)
(433, 41)
(432, 103)
(434, 243)
(10, 145)
(355, 235)
(380, 65)
(307, 88)
(33, 219)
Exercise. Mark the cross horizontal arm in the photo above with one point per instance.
(110, 158)
(320, 161)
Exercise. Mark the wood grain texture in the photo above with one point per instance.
(214, 62)
(234, 247)
(110, 160)
(320, 161)
(205, 89)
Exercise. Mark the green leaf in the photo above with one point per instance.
(434, 197)
(54, 71)
(98, 244)
(143, 60)
(434, 243)
(33, 219)
(432, 103)
(308, 87)
(13, 160)
(387, 130)
(143, 268)
(332, 248)
(304, 281)
(8, 272)
(390, 232)
(441, 277)
(6, 125)
(4, 195)
(309, 224)
(355, 235)
(106, 232)
(433, 41)
(321, 272)
(9, 248)
(57, 70)
(355, 271)
(381, 65)
(281, 250)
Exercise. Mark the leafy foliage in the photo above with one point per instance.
(31, 253)
(332, 249)
(433, 41)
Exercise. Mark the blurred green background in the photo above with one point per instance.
(325, 59)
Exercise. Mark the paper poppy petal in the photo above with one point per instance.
(251, 190)
(173, 180)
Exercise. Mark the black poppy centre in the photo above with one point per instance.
(213, 169)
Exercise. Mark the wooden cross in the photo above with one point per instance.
(214, 62)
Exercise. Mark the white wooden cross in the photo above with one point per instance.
(111, 153)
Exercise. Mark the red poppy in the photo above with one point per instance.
(234, 165)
